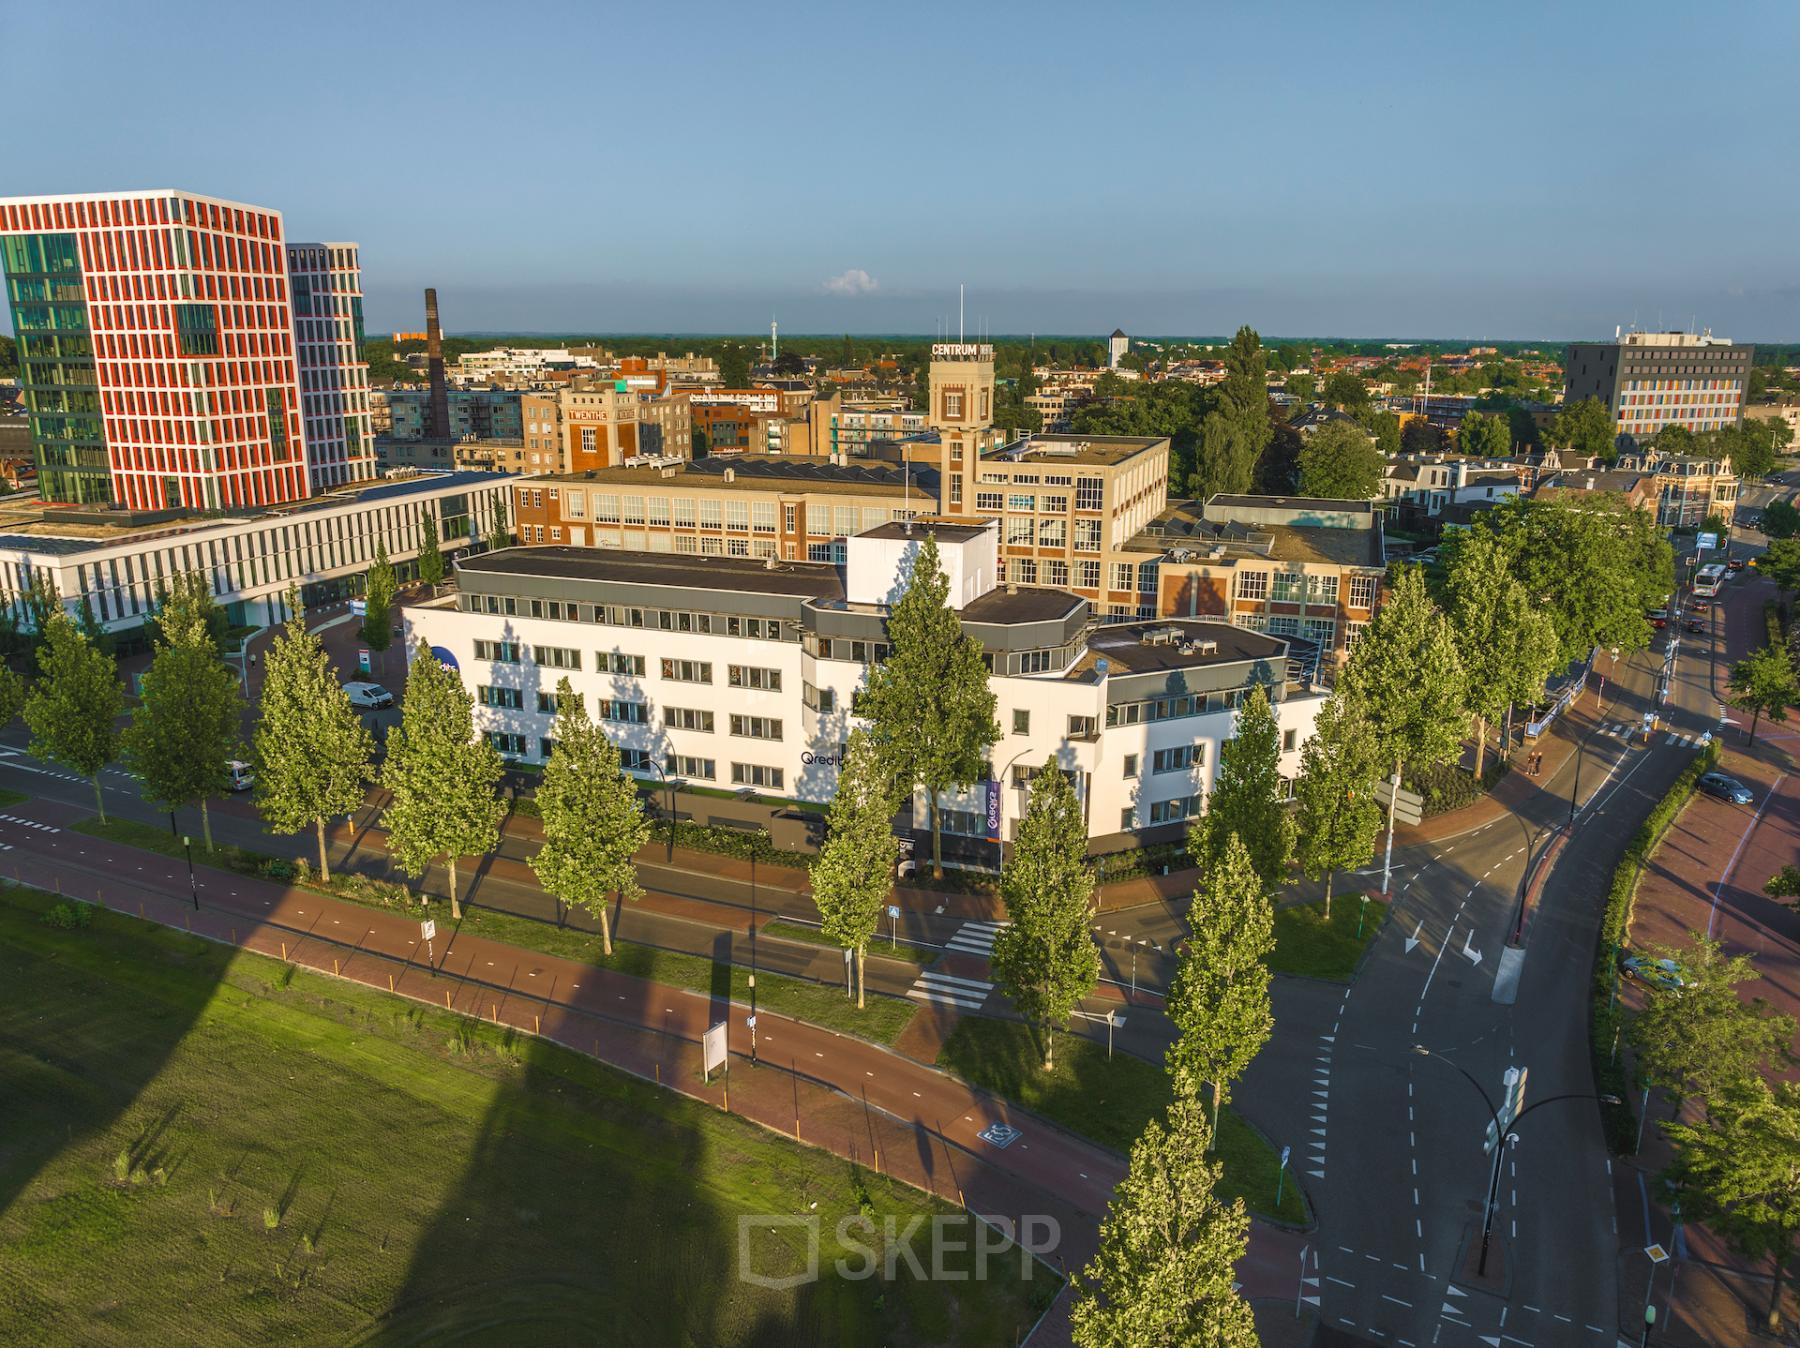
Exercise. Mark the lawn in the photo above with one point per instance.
(10, 797)
(879, 948)
(203, 1145)
(881, 1020)
(1309, 945)
(1108, 1100)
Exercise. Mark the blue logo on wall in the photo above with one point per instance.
(447, 660)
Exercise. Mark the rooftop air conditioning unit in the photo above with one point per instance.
(1207, 647)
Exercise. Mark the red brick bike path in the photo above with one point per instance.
(830, 1090)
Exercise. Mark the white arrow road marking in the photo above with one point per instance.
(1413, 940)
(1473, 955)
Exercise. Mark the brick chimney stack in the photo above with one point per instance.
(437, 419)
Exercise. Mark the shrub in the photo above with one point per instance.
(1446, 786)
(122, 1167)
(271, 1219)
(70, 915)
(278, 868)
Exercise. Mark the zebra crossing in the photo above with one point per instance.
(1630, 730)
(974, 937)
(29, 823)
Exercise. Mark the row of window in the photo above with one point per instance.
(628, 615)
(689, 766)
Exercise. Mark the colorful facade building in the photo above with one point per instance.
(1649, 380)
(326, 279)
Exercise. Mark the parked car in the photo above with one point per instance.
(1665, 974)
(1725, 787)
(1735, 564)
(366, 696)
(1659, 618)
(238, 776)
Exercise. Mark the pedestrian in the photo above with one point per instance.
(1537, 764)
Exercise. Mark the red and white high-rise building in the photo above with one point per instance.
(157, 350)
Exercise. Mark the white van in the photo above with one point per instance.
(238, 776)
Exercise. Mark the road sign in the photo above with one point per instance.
(1706, 541)
(427, 930)
(1285, 1153)
(1657, 1254)
(750, 1021)
(713, 1049)
(893, 912)
(1410, 809)
(1510, 1107)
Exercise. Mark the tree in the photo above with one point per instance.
(1165, 1270)
(499, 536)
(1384, 426)
(1586, 427)
(13, 691)
(1486, 435)
(1674, 439)
(378, 601)
(854, 872)
(312, 750)
(1237, 430)
(1301, 386)
(1780, 520)
(734, 366)
(593, 820)
(1046, 960)
(1340, 462)
(1506, 644)
(187, 614)
(1338, 817)
(1219, 1000)
(442, 778)
(1741, 1174)
(1346, 391)
(1419, 436)
(431, 558)
(1705, 1040)
(185, 728)
(929, 703)
(1780, 562)
(1784, 884)
(1408, 678)
(1246, 798)
(1764, 683)
(73, 707)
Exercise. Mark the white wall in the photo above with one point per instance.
(876, 568)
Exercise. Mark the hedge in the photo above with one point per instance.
(1608, 1019)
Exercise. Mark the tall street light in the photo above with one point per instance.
(1000, 842)
(1502, 1131)
(653, 766)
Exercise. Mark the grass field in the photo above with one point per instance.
(1307, 944)
(1108, 1100)
(9, 797)
(881, 1020)
(202, 1145)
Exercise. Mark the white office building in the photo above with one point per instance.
(737, 673)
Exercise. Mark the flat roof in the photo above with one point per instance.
(1181, 525)
(953, 531)
(1292, 503)
(1125, 651)
(1024, 604)
(749, 575)
(770, 472)
(1098, 451)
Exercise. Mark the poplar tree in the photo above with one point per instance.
(1246, 799)
(1763, 683)
(1237, 431)
(854, 872)
(1165, 1272)
(593, 819)
(1740, 1171)
(1507, 645)
(378, 601)
(441, 776)
(1705, 1038)
(1219, 999)
(13, 691)
(311, 748)
(1408, 678)
(185, 727)
(431, 558)
(75, 703)
(929, 703)
(1046, 960)
(1337, 817)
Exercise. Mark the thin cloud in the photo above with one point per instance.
(852, 283)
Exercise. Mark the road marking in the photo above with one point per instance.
(1397, 1301)
(1731, 866)
(1339, 1281)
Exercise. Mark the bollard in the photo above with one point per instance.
(496, 1006)
(284, 952)
(537, 1024)
(390, 982)
(140, 908)
(234, 935)
(446, 1001)
(335, 970)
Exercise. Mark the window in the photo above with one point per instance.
(1019, 531)
(1362, 591)
(953, 405)
(620, 663)
(1284, 627)
(1321, 630)
(624, 713)
(755, 774)
(819, 699)
(546, 747)
(688, 718)
(508, 699)
(990, 501)
(546, 704)
(1178, 759)
(1081, 727)
(1056, 573)
(762, 517)
(634, 760)
(756, 727)
(751, 676)
(500, 652)
(1021, 502)
(1127, 819)
(1253, 585)
(687, 671)
(1087, 575)
(507, 743)
(1321, 589)
(1289, 587)
(558, 657)
(1052, 533)
(688, 765)
(1288, 739)
(1131, 765)
(1021, 721)
(1090, 493)
(1351, 632)
(1174, 811)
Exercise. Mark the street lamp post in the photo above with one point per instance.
(1000, 842)
(1501, 1134)
(652, 765)
(187, 841)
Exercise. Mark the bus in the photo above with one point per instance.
(1709, 578)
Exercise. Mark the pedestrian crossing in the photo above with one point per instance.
(975, 937)
(29, 823)
(965, 994)
(1631, 730)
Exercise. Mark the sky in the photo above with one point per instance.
(1373, 169)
